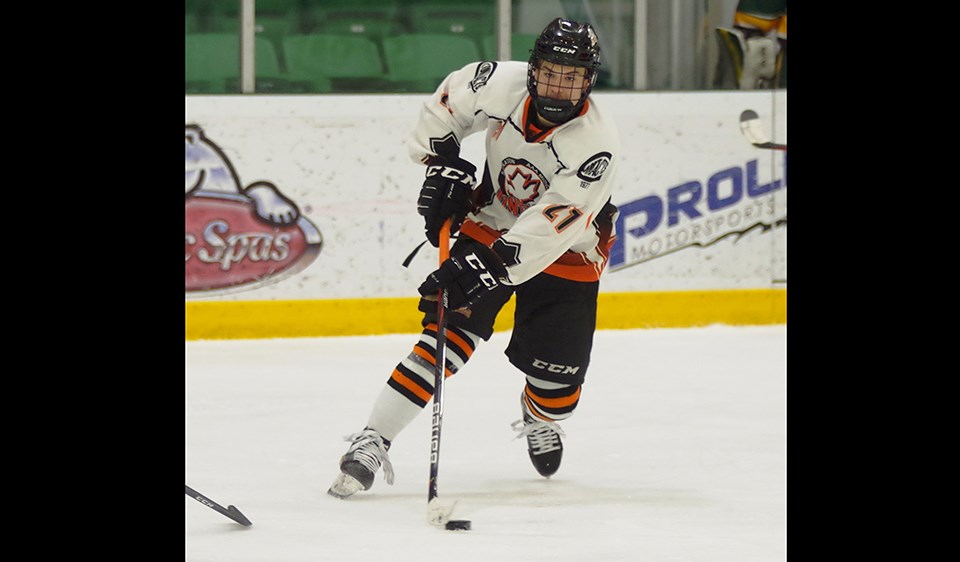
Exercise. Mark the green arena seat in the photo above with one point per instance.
(212, 63)
(371, 18)
(346, 62)
(417, 62)
(471, 19)
(520, 43)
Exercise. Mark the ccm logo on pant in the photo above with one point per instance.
(553, 368)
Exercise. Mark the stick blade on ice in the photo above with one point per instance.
(756, 133)
(752, 127)
(229, 511)
(439, 513)
(235, 514)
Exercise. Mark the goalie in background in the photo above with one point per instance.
(756, 46)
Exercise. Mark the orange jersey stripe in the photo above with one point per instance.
(584, 273)
(405, 382)
(479, 232)
(571, 265)
(562, 402)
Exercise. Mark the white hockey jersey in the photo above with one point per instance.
(544, 200)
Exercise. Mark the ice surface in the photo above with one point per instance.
(677, 452)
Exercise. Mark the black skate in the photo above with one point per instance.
(367, 452)
(543, 443)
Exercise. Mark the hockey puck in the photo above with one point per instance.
(458, 525)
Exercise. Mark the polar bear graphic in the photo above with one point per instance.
(208, 170)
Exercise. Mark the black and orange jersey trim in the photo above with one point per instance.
(574, 266)
(531, 131)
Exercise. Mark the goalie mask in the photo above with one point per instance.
(563, 69)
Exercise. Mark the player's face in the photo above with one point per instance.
(561, 82)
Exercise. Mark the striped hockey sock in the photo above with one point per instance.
(550, 401)
(410, 386)
(544, 403)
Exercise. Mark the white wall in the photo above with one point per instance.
(343, 160)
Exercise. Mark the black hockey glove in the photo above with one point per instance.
(466, 278)
(446, 194)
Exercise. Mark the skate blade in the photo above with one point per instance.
(344, 486)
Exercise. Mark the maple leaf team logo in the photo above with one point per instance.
(520, 183)
(238, 238)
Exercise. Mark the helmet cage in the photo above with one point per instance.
(571, 97)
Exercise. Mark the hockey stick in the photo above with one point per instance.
(753, 129)
(439, 514)
(229, 511)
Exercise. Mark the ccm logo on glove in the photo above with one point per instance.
(446, 195)
(451, 174)
(466, 278)
(488, 281)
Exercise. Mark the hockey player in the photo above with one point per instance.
(757, 44)
(761, 22)
(538, 225)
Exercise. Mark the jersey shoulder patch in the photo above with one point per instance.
(592, 169)
(484, 71)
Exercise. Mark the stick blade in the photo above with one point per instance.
(438, 514)
(752, 127)
(235, 514)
